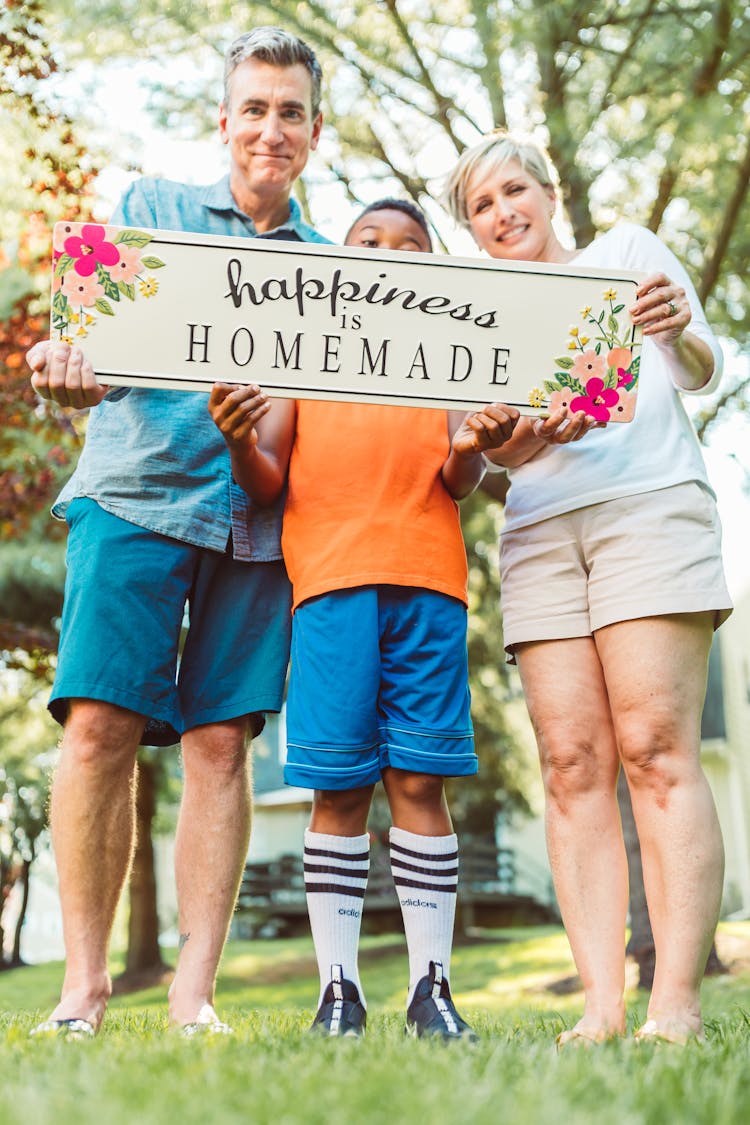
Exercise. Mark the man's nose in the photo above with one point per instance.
(272, 132)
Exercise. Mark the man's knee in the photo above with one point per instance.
(221, 748)
(101, 735)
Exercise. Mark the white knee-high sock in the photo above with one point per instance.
(336, 870)
(425, 871)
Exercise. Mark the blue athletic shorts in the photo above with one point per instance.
(379, 677)
(126, 590)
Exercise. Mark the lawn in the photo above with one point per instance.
(271, 1071)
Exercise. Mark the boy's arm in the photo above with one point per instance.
(470, 435)
(259, 434)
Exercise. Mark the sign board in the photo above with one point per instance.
(302, 320)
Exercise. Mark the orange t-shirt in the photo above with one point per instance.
(366, 503)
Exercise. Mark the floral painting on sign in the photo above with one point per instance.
(601, 377)
(95, 267)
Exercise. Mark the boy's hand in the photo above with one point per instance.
(63, 374)
(236, 410)
(487, 429)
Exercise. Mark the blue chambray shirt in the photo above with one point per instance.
(155, 457)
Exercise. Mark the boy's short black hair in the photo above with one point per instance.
(404, 205)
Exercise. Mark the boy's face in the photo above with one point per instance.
(388, 230)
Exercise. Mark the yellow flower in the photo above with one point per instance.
(81, 331)
(609, 294)
(148, 286)
(573, 330)
(75, 318)
(536, 397)
(585, 312)
(584, 340)
(90, 319)
(573, 346)
(65, 338)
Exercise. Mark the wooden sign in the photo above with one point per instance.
(302, 320)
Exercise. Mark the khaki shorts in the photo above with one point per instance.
(638, 556)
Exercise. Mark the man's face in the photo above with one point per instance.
(269, 125)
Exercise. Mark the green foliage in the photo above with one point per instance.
(272, 1071)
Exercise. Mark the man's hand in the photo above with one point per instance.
(486, 429)
(236, 410)
(63, 374)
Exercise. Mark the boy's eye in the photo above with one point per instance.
(368, 242)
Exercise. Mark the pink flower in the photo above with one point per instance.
(128, 266)
(560, 398)
(84, 291)
(620, 357)
(62, 232)
(90, 248)
(625, 408)
(597, 401)
(587, 364)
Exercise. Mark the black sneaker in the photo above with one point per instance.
(341, 1012)
(432, 1011)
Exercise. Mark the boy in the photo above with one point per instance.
(378, 687)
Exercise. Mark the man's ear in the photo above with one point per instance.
(223, 114)
(317, 126)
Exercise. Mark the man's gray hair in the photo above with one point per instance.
(277, 47)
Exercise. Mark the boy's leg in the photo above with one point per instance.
(426, 736)
(332, 735)
(424, 863)
(336, 868)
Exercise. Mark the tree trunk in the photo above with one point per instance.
(144, 955)
(15, 959)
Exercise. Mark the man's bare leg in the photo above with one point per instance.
(213, 833)
(92, 822)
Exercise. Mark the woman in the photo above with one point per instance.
(612, 586)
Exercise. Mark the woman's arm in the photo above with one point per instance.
(663, 310)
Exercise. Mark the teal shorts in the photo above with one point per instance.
(126, 592)
(379, 678)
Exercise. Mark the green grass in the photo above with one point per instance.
(271, 1071)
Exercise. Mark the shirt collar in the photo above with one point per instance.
(218, 197)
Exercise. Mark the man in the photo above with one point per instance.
(157, 523)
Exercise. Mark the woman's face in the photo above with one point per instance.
(510, 215)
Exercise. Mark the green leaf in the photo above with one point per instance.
(153, 263)
(104, 307)
(60, 304)
(127, 289)
(551, 387)
(563, 361)
(613, 322)
(64, 263)
(133, 238)
(111, 288)
(618, 308)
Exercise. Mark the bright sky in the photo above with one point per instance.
(122, 104)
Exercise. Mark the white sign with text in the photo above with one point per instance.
(303, 320)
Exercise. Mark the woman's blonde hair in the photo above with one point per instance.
(486, 157)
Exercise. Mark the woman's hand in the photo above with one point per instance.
(561, 427)
(661, 308)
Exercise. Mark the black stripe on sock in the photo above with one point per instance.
(334, 889)
(396, 862)
(429, 856)
(449, 888)
(326, 869)
(354, 856)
